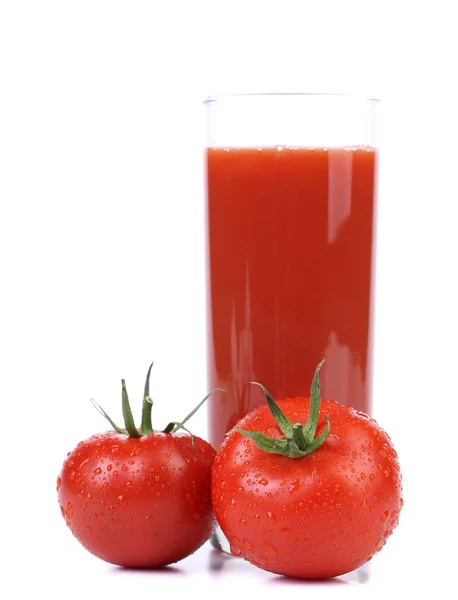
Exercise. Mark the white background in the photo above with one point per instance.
(101, 250)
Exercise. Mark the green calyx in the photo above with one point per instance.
(297, 441)
(146, 427)
(174, 426)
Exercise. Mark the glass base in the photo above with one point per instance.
(219, 541)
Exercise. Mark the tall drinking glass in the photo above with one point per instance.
(290, 224)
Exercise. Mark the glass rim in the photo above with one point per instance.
(357, 97)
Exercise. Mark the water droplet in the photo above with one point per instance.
(124, 468)
(128, 483)
(69, 510)
(372, 477)
(256, 517)
(294, 487)
(363, 476)
(248, 545)
(121, 500)
(285, 531)
(271, 550)
(164, 467)
(387, 472)
(263, 481)
(109, 467)
(272, 517)
(232, 502)
(385, 516)
(58, 483)
(97, 471)
(235, 539)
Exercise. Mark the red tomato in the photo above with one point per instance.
(138, 502)
(138, 499)
(316, 516)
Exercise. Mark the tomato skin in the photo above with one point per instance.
(138, 502)
(315, 517)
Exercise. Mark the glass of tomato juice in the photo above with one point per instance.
(290, 249)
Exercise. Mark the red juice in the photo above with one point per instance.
(290, 276)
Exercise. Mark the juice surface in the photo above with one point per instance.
(290, 254)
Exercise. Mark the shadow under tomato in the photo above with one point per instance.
(358, 577)
(163, 571)
(284, 580)
(219, 560)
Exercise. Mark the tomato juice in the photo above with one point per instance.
(290, 278)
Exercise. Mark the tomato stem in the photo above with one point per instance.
(127, 413)
(104, 414)
(298, 440)
(146, 426)
(312, 422)
(283, 422)
(174, 426)
(194, 410)
(298, 437)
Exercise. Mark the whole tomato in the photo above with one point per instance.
(313, 501)
(136, 497)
